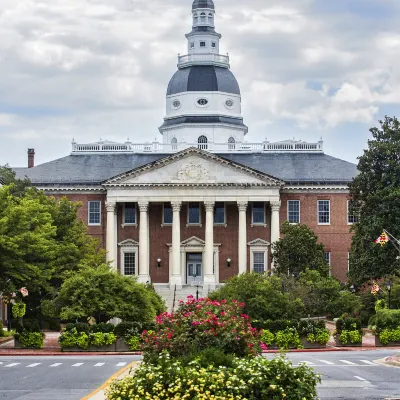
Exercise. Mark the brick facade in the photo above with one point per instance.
(336, 237)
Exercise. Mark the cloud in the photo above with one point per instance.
(100, 68)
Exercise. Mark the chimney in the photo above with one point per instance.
(31, 158)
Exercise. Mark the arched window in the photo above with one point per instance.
(174, 144)
(203, 18)
(195, 19)
(210, 18)
(202, 143)
(231, 143)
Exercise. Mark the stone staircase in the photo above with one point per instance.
(181, 294)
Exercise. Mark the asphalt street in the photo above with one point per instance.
(352, 374)
(345, 375)
(56, 378)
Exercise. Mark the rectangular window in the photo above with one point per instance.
(327, 256)
(192, 45)
(219, 214)
(351, 218)
(129, 264)
(259, 262)
(94, 213)
(167, 217)
(258, 213)
(294, 211)
(324, 212)
(202, 44)
(194, 214)
(130, 214)
(214, 45)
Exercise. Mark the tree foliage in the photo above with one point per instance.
(8, 177)
(375, 192)
(103, 294)
(298, 250)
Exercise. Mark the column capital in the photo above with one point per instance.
(143, 206)
(242, 205)
(111, 206)
(275, 205)
(176, 206)
(209, 206)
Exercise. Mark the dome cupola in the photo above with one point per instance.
(203, 4)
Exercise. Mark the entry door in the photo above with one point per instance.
(194, 269)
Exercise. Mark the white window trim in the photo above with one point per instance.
(123, 216)
(200, 215)
(222, 223)
(263, 224)
(163, 223)
(324, 223)
(348, 214)
(89, 223)
(259, 249)
(129, 249)
(294, 223)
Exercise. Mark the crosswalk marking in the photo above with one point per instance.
(347, 362)
(33, 365)
(121, 364)
(307, 362)
(11, 365)
(327, 362)
(55, 365)
(99, 364)
(77, 365)
(359, 378)
(368, 362)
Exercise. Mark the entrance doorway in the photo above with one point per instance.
(194, 268)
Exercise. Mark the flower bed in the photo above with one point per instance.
(348, 332)
(387, 328)
(29, 340)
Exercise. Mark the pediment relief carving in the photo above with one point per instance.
(128, 243)
(259, 242)
(193, 171)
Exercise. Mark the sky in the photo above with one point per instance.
(99, 69)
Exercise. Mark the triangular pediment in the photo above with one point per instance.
(194, 166)
(128, 243)
(194, 241)
(259, 242)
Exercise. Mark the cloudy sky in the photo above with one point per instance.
(91, 69)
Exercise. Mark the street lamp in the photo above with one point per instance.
(352, 289)
(389, 289)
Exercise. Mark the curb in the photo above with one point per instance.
(99, 393)
(18, 353)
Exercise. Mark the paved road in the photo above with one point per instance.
(56, 378)
(345, 375)
(352, 374)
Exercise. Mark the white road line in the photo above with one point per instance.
(359, 378)
(327, 362)
(55, 365)
(121, 364)
(11, 365)
(347, 362)
(33, 365)
(307, 363)
(99, 364)
(368, 362)
(77, 365)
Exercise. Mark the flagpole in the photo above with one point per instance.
(395, 240)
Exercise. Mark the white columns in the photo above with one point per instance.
(242, 206)
(144, 268)
(275, 226)
(111, 207)
(176, 277)
(209, 274)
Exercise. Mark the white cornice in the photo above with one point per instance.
(315, 188)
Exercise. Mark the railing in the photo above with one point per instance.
(203, 59)
(166, 148)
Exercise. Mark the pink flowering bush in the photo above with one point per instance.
(200, 325)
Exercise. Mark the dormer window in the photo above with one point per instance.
(203, 18)
(202, 44)
(192, 45)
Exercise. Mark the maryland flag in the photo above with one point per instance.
(375, 289)
(383, 239)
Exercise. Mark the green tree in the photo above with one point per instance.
(298, 250)
(103, 294)
(8, 177)
(263, 296)
(375, 192)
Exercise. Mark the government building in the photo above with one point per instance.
(203, 203)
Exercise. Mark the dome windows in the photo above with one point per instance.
(202, 142)
(176, 104)
(202, 102)
(231, 143)
(229, 103)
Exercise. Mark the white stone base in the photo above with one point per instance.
(144, 279)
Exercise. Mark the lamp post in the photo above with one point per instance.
(389, 289)
(352, 289)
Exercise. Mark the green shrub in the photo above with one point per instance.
(289, 338)
(133, 342)
(79, 326)
(31, 325)
(100, 339)
(353, 337)
(1, 329)
(103, 328)
(53, 324)
(267, 337)
(348, 323)
(256, 378)
(320, 336)
(389, 335)
(346, 303)
(387, 319)
(372, 322)
(278, 325)
(30, 340)
(310, 326)
(127, 328)
(72, 338)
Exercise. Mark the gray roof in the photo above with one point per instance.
(203, 4)
(205, 119)
(94, 169)
(207, 78)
